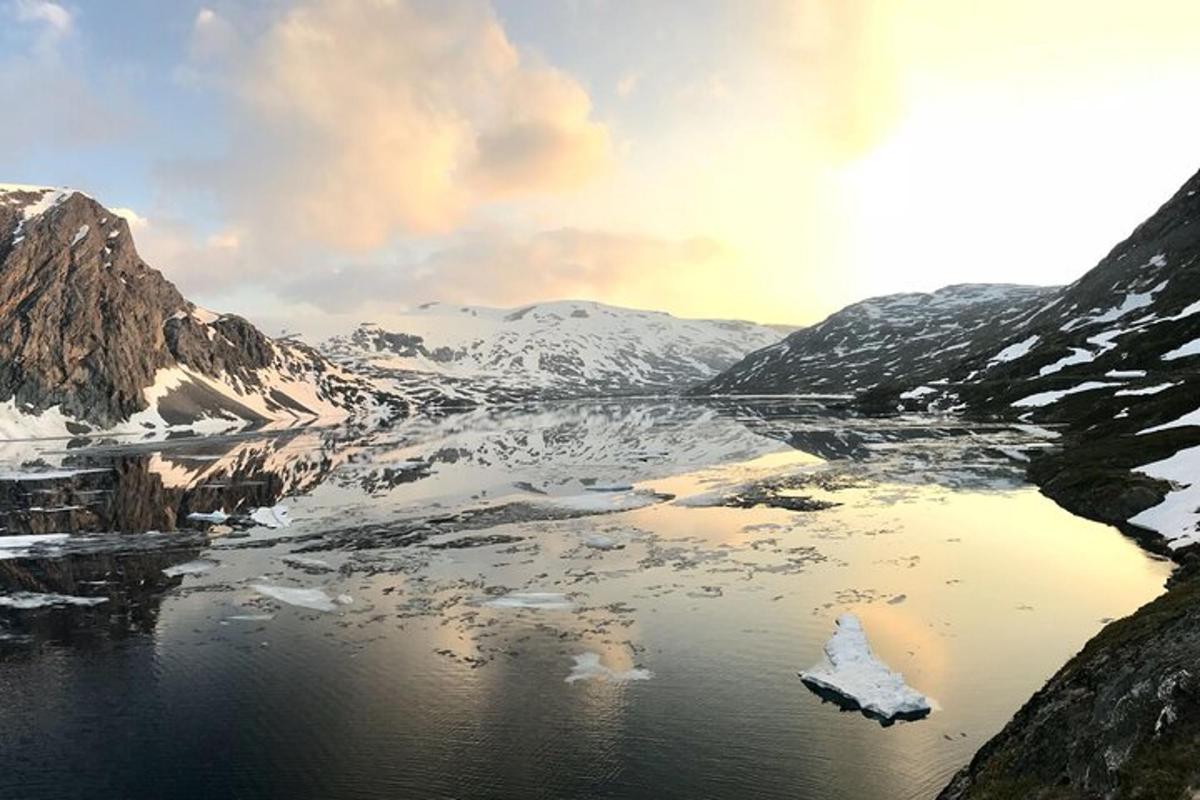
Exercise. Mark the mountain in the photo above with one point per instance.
(881, 340)
(91, 338)
(545, 351)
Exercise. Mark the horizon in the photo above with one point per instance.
(337, 159)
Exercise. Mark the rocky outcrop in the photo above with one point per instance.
(1120, 720)
(92, 334)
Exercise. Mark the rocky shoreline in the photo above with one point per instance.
(1122, 718)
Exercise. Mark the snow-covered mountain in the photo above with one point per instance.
(551, 350)
(91, 338)
(881, 340)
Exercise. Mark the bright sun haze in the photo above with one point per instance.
(332, 159)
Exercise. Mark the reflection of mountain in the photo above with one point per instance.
(127, 490)
(947, 451)
(556, 445)
(123, 592)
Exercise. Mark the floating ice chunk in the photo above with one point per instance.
(46, 475)
(601, 542)
(197, 567)
(272, 516)
(610, 487)
(251, 617)
(604, 502)
(216, 517)
(710, 499)
(315, 599)
(852, 673)
(541, 601)
(22, 546)
(26, 600)
(307, 563)
(588, 667)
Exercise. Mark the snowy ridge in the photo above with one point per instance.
(547, 350)
(882, 340)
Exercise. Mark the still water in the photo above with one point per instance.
(531, 603)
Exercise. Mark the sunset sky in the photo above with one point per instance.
(310, 163)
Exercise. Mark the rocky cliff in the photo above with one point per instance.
(92, 338)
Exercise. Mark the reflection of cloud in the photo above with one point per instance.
(355, 122)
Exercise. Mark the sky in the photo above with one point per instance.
(314, 163)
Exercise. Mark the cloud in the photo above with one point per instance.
(135, 220)
(627, 84)
(490, 268)
(355, 122)
(57, 21)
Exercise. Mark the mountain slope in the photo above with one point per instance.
(544, 351)
(880, 340)
(93, 338)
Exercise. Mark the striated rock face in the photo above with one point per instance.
(898, 337)
(81, 316)
(89, 331)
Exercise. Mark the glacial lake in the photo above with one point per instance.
(532, 603)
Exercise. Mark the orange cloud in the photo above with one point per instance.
(356, 122)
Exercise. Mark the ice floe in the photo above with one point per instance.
(316, 599)
(588, 667)
(27, 545)
(851, 673)
(216, 517)
(541, 601)
(27, 600)
(197, 567)
(600, 502)
(272, 516)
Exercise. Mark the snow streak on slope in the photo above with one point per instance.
(545, 351)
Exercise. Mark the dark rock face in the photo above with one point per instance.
(86, 325)
(81, 316)
(1121, 719)
(883, 340)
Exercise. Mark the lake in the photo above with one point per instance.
(592, 599)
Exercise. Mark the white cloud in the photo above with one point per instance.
(57, 20)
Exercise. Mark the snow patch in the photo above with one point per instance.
(1177, 517)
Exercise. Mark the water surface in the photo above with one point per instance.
(424, 673)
